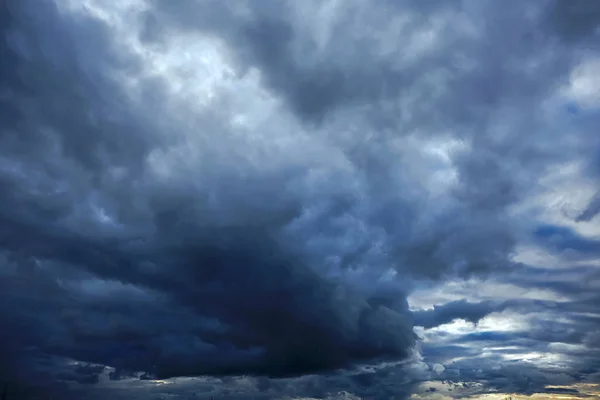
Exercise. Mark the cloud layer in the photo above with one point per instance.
(255, 193)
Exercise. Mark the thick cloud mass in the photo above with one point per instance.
(260, 189)
(202, 272)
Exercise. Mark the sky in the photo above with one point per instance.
(279, 199)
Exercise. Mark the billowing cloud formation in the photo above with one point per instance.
(246, 188)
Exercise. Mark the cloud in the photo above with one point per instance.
(591, 210)
(562, 391)
(198, 285)
(561, 238)
(251, 191)
(548, 343)
(575, 20)
(460, 309)
(438, 368)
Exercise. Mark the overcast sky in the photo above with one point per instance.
(300, 199)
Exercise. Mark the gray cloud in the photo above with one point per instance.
(144, 231)
(575, 20)
(591, 210)
(559, 338)
(460, 309)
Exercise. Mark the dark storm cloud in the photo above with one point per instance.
(320, 83)
(267, 40)
(136, 236)
(175, 294)
(577, 20)
(591, 210)
(560, 238)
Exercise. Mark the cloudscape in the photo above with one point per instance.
(300, 199)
